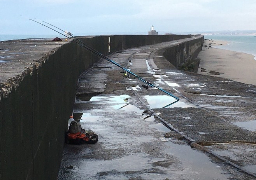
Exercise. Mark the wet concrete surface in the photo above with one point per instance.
(134, 144)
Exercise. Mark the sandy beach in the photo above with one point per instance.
(240, 67)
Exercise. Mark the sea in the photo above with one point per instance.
(244, 44)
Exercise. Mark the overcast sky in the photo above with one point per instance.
(93, 17)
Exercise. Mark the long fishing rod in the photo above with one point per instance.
(79, 42)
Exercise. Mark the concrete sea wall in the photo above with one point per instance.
(184, 55)
(35, 110)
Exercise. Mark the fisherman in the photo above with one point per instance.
(74, 127)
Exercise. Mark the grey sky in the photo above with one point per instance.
(86, 17)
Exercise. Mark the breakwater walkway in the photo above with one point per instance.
(37, 89)
(208, 134)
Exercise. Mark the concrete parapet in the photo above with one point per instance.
(184, 54)
(37, 100)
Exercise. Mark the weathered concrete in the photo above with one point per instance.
(38, 86)
(134, 145)
(183, 56)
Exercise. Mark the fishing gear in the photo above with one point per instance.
(79, 42)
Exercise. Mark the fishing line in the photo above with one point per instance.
(79, 42)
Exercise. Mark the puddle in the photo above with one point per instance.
(159, 80)
(241, 153)
(202, 133)
(114, 168)
(222, 96)
(209, 106)
(111, 99)
(160, 127)
(148, 67)
(149, 118)
(174, 73)
(159, 101)
(85, 96)
(88, 117)
(131, 108)
(196, 164)
(172, 84)
(224, 101)
(196, 85)
(250, 168)
(249, 125)
(159, 76)
(1, 61)
(136, 88)
(84, 117)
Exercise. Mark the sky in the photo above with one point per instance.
(109, 17)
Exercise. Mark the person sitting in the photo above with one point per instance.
(75, 127)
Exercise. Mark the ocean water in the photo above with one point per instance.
(245, 44)
(4, 37)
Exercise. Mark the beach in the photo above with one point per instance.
(237, 66)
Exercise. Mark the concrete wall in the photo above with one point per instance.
(184, 55)
(33, 116)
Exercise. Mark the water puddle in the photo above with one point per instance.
(136, 88)
(222, 96)
(172, 84)
(159, 101)
(242, 153)
(196, 85)
(209, 106)
(85, 96)
(174, 73)
(248, 125)
(111, 99)
(131, 108)
(1, 61)
(196, 164)
(160, 76)
(250, 168)
(160, 127)
(202, 133)
(88, 117)
(148, 67)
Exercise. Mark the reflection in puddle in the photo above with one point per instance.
(249, 125)
(174, 73)
(250, 168)
(160, 101)
(196, 164)
(111, 99)
(202, 133)
(160, 127)
(196, 85)
(222, 96)
(88, 117)
(238, 152)
(172, 84)
(116, 102)
(136, 88)
(132, 108)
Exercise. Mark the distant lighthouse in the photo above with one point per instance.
(152, 31)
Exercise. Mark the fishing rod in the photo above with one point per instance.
(79, 42)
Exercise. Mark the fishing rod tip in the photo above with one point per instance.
(68, 33)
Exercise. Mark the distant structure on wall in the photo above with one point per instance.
(152, 31)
